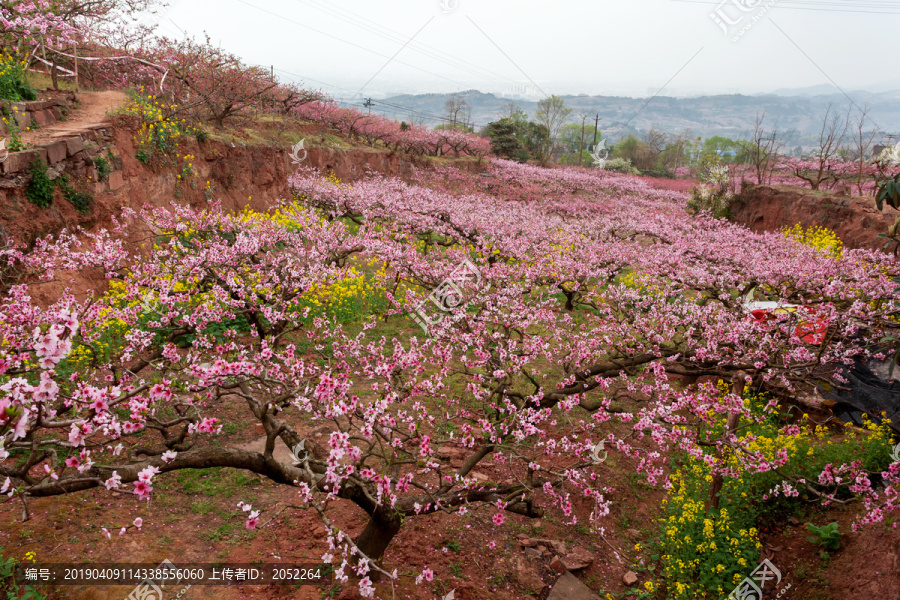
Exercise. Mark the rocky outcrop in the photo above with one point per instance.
(39, 113)
(855, 219)
(569, 587)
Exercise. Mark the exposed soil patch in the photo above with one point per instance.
(855, 219)
(93, 108)
(866, 566)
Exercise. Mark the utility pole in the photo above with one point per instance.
(368, 103)
(581, 145)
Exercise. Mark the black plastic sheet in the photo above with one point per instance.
(870, 388)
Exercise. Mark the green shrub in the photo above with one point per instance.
(827, 536)
(621, 165)
(26, 92)
(660, 173)
(104, 167)
(704, 553)
(709, 199)
(40, 187)
(9, 588)
(80, 199)
(15, 142)
(13, 86)
(159, 131)
(504, 142)
(714, 194)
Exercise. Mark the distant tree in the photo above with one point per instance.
(504, 141)
(762, 148)
(635, 151)
(511, 111)
(677, 152)
(832, 134)
(536, 140)
(570, 137)
(655, 141)
(520, 140)
(862, 142)
(719, 145)
(453, 127)
(457, 110)
(574, 140)
(552, 112)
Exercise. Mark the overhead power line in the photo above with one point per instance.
(421, 47)
(888, 7)
(355, 45)
(375, 103)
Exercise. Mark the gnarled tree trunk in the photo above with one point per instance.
(377, 536)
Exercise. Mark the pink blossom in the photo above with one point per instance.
(113, 482)
(142, 489)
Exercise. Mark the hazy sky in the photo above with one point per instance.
(625, 47)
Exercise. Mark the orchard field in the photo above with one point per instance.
(398, 378)
(467, 372)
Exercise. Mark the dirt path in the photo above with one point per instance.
(94, 108)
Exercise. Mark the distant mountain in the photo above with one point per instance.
(892, 86)
(725, 115)
(815, 90)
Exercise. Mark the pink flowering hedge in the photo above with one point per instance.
(375, 130)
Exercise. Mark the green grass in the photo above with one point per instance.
(215, 481)
(222, 532)
(40, 81)
(203, 507)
